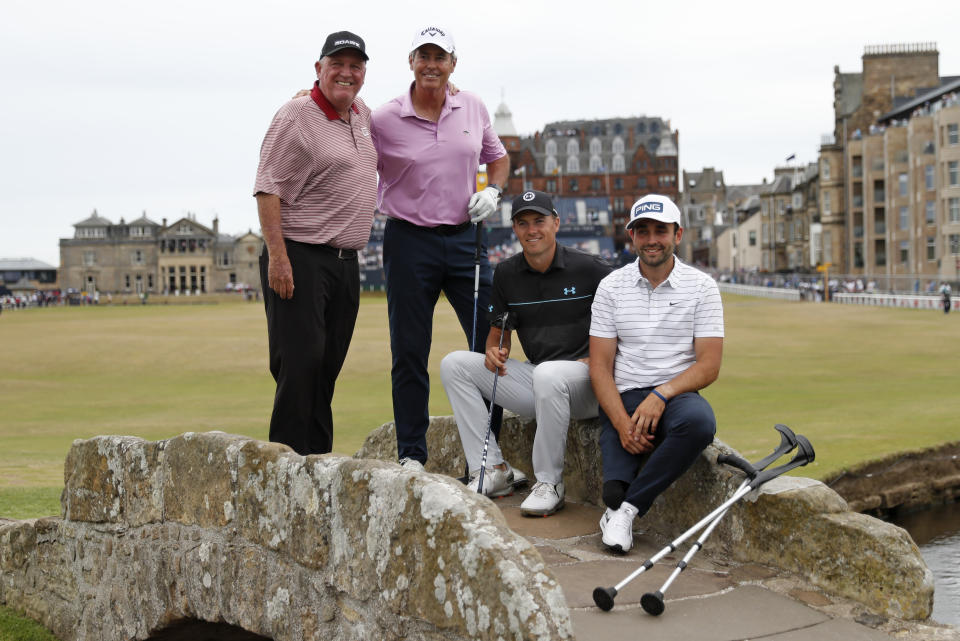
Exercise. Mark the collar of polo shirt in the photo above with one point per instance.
(324, 104)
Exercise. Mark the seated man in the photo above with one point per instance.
(547, 290)
(656, 338)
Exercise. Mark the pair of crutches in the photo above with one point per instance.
(757, 475)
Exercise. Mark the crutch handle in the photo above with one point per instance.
(739, 463)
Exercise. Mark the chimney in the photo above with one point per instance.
(216, 226)
(164, 222)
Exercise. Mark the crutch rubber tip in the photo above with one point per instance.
(603, 597)
(652, 602)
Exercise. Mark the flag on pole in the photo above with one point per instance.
(791, 157)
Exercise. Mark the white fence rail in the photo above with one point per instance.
(780, 293)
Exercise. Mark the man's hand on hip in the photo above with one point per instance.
(482, 204)
(280, 276)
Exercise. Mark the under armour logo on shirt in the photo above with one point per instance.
(490, 308)
(569, 290)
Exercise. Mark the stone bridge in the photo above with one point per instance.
(239, 539)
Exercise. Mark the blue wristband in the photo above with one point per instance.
(659, 395)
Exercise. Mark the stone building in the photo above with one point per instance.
(890, 193)
(703, 203)
(616, 159)
(142, 256)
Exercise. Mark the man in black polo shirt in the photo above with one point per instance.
(548, 290)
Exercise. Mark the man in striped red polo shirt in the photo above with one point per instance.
(316, 191)
(656, 339)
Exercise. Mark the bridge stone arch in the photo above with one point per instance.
(228, 531)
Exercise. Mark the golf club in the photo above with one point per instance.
(493, 396)
(476, 284)
(604, 597)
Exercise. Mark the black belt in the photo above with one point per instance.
(443, 230)
(340, 252)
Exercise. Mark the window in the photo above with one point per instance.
(880, 252)
(596, 165)
(953, 136)
(858, 255)
(780, 237)
(618, 128)
(825, 168)
(931, 248)
(902, 184)
(595, 184)
(825, 200)
(953, 205)
(827, 246)
(150, 281)
(574, 186)
(618, 204)
(136, 257)
(904, 251)
(573, 165)
(573, 147)
(618, 163)
(641, 128)
(551, 147)
(753, 237)
(797, 202)
(765, 231)
(931, 213)
(126, 281)
(928, 176)
(955, 244)
(552, 185)
(595, 146)
(953, 173)
(642, 182)
(618, 183)
(904, 218)
(89, 258)
(617, 146)
(549, 165)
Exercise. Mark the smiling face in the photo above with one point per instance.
(654, 241)
(341, 75)
(431, 67)
(537, 234)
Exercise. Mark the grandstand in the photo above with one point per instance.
(584, 224)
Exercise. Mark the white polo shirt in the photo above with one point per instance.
(655, 328)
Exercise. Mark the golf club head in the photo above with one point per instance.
(603, 597)
(652, 602)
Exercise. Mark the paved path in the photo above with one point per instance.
(713, 600)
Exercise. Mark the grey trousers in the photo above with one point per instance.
(553, 392)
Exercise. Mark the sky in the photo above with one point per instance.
(160, 107)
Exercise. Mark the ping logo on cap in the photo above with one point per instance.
(643, 208)
(527, 197)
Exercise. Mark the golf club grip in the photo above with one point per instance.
(479, 246)
(737, 462)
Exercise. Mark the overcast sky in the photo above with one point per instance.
(161, 106)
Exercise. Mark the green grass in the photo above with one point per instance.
(14, 627)
(860, 382)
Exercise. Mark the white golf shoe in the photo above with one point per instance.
(496, 482)
(617, 527)
(544, 499)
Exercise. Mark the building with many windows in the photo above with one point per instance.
(890, 183)
(617, 160)
(143, 256)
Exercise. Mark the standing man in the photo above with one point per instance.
(547, 289)
(430, 144)
(656, 339)
(316, 194)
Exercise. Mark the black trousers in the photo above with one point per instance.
(309, 335)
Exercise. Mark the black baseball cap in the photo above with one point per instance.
(343, 40)
(532, 200)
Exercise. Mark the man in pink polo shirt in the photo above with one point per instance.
(430, 144)
(316, 194)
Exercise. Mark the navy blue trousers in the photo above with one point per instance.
(420, 263)
(686, 428)
(308, 339)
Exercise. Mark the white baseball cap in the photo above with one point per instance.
(433, 36)
(654, 207)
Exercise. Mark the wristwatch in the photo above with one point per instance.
(498, 188)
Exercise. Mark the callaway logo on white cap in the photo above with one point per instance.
(432, 31)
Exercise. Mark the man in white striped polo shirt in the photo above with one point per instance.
(316, 192)
(656, 339)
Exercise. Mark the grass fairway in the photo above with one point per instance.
(860, 382)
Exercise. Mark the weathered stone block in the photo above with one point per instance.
(93, 480)
(199, 472)
(143, 482)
